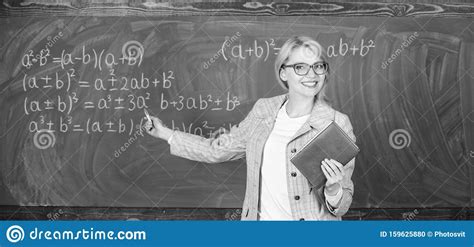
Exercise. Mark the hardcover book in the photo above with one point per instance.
(332, 143)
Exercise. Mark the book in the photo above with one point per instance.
(332, 143)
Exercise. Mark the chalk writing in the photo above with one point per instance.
(64, 91)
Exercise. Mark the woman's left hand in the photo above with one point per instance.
(334, 172)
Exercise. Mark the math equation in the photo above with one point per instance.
(66, 92)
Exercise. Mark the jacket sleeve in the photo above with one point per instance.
(347, 184)
(226, 146)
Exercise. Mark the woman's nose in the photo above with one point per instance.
(311, 73)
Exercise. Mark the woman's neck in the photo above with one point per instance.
(299, 106)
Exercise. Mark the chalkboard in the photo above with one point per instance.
(73, 90)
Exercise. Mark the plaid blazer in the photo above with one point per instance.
(248, 139)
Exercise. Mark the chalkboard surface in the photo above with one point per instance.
(73, 90)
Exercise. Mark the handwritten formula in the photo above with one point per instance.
(65, 92)
(263, 49)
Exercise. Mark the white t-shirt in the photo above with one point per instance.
(274, 199)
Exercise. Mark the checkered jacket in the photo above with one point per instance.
(248, 139)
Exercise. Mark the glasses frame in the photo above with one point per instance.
(310, 66)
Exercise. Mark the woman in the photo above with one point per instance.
(274, 130)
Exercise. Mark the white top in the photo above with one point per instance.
(274, 199)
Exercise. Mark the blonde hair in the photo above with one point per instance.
(285, 52)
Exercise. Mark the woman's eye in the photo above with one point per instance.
(299, 66)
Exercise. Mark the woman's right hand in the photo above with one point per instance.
(157, 129)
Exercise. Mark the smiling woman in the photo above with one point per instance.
(270, 134)
(301, 54)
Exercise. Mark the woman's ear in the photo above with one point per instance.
(283, 74)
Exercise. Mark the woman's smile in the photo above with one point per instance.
(310, 84)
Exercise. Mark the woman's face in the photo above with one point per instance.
(307, 85)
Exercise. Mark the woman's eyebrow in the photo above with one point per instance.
(319, 61)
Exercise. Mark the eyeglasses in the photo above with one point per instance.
(319, 68)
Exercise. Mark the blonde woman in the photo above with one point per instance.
(273, 131)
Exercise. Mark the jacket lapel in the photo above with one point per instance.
(270, 109)
(267, 114)
(321, 115)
